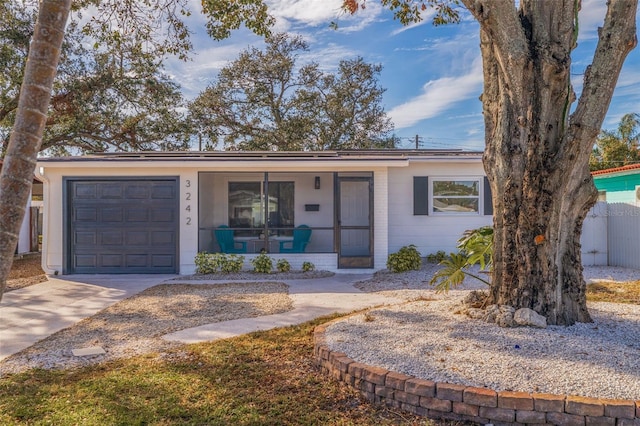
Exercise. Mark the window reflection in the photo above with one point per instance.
(247, 208)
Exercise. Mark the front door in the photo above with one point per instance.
(355, 222)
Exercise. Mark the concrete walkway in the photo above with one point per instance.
(32, 313)
(312, 298)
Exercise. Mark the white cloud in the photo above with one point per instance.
(437, 96)
(590, 17)
(196, 74)
(328, 57)
(321, 13)
(411, 26)
(308, 12)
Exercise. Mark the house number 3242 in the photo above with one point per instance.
(187, 198)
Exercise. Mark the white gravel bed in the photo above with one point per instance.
(425, 339)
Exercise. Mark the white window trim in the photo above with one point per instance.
(480, 196)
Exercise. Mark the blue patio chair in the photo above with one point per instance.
(224, 236)
(301, 236)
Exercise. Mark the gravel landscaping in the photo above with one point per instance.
(426, 339)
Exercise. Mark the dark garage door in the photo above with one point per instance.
(122, 226)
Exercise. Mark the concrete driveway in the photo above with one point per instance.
(30, 314)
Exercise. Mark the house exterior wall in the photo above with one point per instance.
(429, 233)
(620, 188)
(24, 238)
(394, 223)
(380, 217)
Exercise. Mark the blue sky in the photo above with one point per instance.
(432, 75)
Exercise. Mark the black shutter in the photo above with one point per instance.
(420, 195)
(488, 204)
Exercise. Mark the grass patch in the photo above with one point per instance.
(608, 291)
(256, 379)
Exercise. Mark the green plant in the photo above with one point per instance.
(283, 265)
(475, 247)
(436, 257)
(232, 263)
(210, 263)
(406, 259)
(206, 263)
(308, 267)
(262, 264)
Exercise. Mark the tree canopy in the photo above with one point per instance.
(617, 148)
(268, 100)
(109, 93)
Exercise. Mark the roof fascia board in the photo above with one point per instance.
(289, 164)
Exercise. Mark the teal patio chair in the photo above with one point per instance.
(301, 236)
(224, 236)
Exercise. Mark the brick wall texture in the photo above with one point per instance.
(465, 403)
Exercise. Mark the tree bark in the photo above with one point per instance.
(536, 155)
(24, 143)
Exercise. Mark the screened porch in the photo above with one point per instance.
(284, 212)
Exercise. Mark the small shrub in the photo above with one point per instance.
(206, 263)
(232, 263)
(262, 264)
(210, 263)
(436, 257)
(308, 267)
(406, 259)
(283, 265)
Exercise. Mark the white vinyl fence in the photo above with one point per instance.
(611, 235)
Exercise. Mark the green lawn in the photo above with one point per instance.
(265, 378)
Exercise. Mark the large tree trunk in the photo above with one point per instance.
(536, 155)
(26, 136)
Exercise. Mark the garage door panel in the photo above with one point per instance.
(137, 214)
(110, 191)
(111, 214)
(137, 192)
(140, 238)
(123, 226)
(162, 215)
(111, 238)
(162, 261)
(85, 238)
(163, 192)
(137, 260)
(86, 260)
(111, 260)
(163, 237)
(85, 191)
(86, 214)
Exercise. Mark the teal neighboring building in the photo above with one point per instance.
(618, 185)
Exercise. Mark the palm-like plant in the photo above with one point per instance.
(475, 247)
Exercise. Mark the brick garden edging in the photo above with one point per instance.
(447, 401)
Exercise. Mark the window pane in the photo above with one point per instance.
(244, 205)
(281, 206)
(456, 188)
(455, 204)
(354, 203)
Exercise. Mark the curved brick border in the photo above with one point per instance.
(465, 403)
